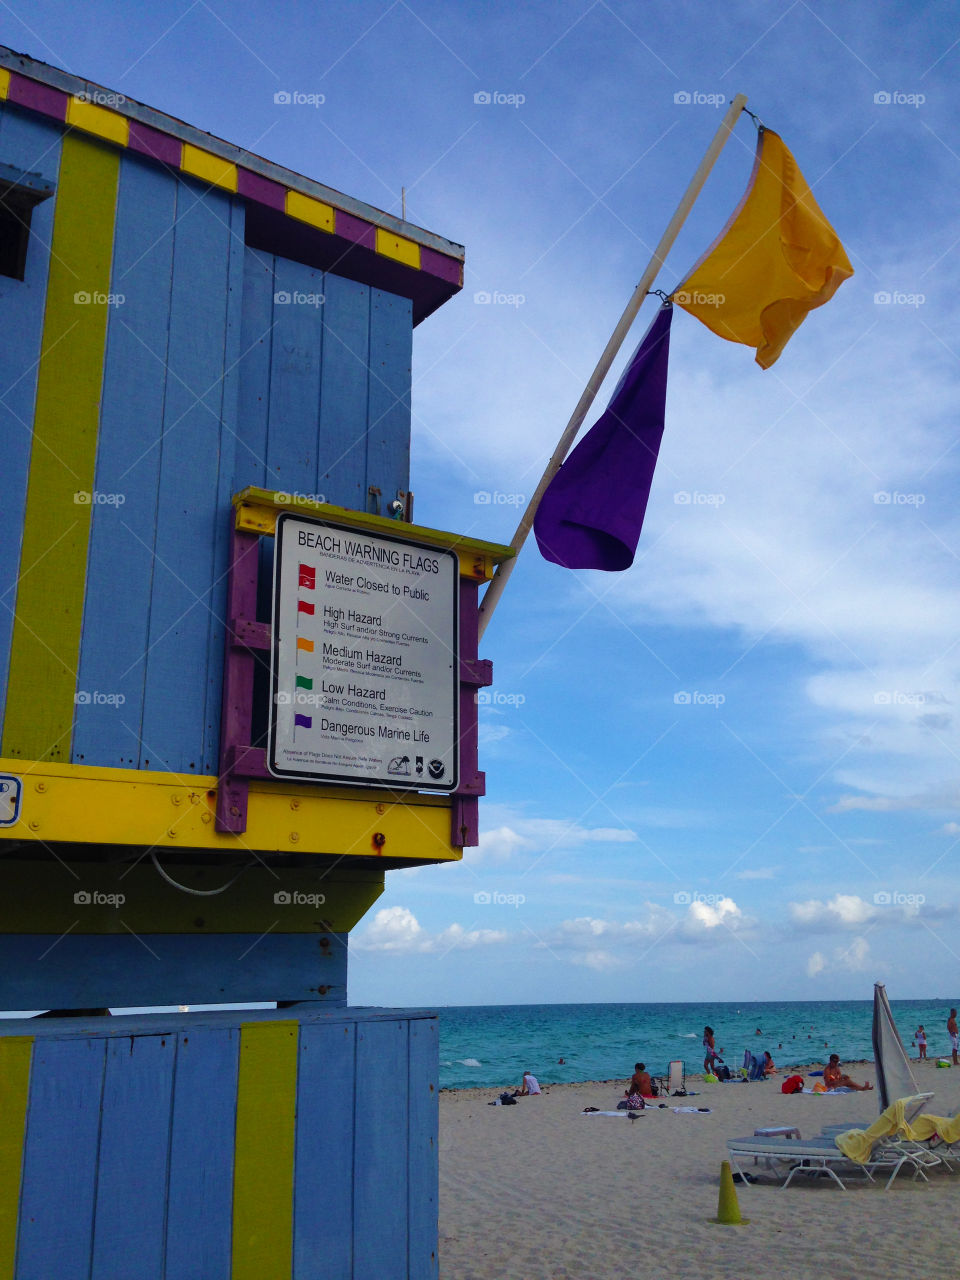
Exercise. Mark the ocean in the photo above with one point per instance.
(490, 1046)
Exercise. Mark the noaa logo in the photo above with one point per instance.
(436, 768)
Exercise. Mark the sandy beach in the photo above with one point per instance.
(541, 1191)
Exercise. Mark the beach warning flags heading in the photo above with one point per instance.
(777, 259)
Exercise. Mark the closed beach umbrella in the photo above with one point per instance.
(894, 1075)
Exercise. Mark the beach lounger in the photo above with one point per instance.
(673, 1082)
(823, 1156)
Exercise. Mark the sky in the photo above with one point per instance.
(732, 771)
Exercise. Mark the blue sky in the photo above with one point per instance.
(791, 829)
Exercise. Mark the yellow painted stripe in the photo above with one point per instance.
(140, 807)
(15, 1054)
(263, 1163)
(46, 632)
(4, 82)
(306, 209)
(211, 168)
(99, 120)
(398, 247)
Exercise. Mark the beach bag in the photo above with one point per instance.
(507, 1100)
(792, 1084)
(723, 1073)
(633, 1103)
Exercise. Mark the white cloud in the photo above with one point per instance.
(950, 829)
(710, 916)
(396, 929)
(852, 959)
(757, 873)
(541, 835)
(842, 909)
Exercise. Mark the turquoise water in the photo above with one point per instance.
(490, 1046)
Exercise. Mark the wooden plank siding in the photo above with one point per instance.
(58, 1198)
(220, 1145)
(45, 644)
(34, 145)
(113, 657)
(201, 381)
(200, 1202)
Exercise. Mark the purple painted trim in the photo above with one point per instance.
(157, 145)
(355, 229)
(36, 96)
(237, 712)
(248, 762)
(252, 187)
(474, 673)
(439, 264)
(251, 635)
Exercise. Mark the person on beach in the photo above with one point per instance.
(921, 1039)
(954, 1036)
(640, 1082)
(769, 1066)
(835, 1078)
(529, 1086)
(710, 1054)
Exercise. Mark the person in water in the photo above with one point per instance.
(835, 1078)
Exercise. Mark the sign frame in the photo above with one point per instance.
(445, 785)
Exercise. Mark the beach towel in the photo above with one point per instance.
(857, 1144)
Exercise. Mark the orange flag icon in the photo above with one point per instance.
(777, 258)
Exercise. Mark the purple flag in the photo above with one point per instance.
(592, 512)
(303, 722)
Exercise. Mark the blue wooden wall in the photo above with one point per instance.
(31, 143)
(212, 382)
(134, 1159)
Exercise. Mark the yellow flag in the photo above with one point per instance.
(776, 259)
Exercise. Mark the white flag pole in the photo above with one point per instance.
(495, 589)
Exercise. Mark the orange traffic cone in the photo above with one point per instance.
(728, 1208)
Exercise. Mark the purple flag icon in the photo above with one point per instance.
(591, 515)
(303, 722)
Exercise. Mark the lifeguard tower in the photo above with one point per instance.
(237, 685)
